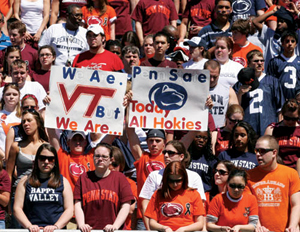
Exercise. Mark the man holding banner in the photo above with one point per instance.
(97, 57)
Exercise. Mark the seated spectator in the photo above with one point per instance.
(168, 210)
(130, 58)
(221, 137)
(161, 45)
(240, 31)
(97, 57)
(44, 199)
(241, 151)
(101, 13)
(148, 47)
(233, 210)
(114, 46)
(112, 193)
(197, 53)
(47, 56)
(229, 68)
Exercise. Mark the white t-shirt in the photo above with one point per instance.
(67, 44)
(194, 65)
(34, 88)
(32, 14)
(7, 120)
(229, 72)
(154, 179)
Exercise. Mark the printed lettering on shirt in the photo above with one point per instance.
(289, 141)
(243, 164)
(43, 194)
(72, 39)
(197, 12)
(199, 166)
(103, 194)
(158, 9)
(171, 209)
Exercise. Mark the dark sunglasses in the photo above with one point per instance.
(287, 118)
(43, 158)
(170, 153)
(234, 120)
(175, 181)
(28, 107)
(237, 186)
(256, 61)
(262, 151)
(221, 172)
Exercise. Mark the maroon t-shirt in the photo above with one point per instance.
(154, 63)
(199, 12)
(5, 186)
(123, 22)
(30, 56)
(42, 77)
(102, 198)
(154, 14)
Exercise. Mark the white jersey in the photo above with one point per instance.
(229, 72)
(194, 65)
(220, 97)
(32, 87)
(154, 179)
(67, 43)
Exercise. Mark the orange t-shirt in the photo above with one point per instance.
(233, 213)
(272, 17)
(176, 212)
(105, 20)
(4, 6)
(144, 166)
(273, 191)
(239, 54)
(127, 225)
(72, 166)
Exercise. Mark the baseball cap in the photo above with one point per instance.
(247, 77)
(71, 134)
(96, 29)
(196, 41)
(156, 133)
(180, 51)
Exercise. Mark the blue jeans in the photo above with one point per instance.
(140, 224)
(2, 224)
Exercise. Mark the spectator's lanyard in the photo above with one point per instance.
(69, 38)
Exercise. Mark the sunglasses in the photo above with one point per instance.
(234, 120)
(256, 61)
(221, 172)
(175, 181)
(170, 153)
(43, 158)
(262, 151)
(28, 107)
(237, 186)
(287, 118)
(33, 111)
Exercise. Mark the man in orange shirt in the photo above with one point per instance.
(276, 187)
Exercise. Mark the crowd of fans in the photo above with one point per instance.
(239, 174)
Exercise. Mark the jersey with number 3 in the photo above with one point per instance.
(262, 104)
(287, 70)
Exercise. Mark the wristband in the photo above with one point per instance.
(298, 15)
(56, 226)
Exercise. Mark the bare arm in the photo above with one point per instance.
(79, 215)
(154, 225)
(145, 203)
(214, 141)
(139, 31)
(177, 5)
(196, 226)
(113, 31)
(46, 12)
(174, 23)
(121, 217)
(11, 161)
(53, 138)
(133, 5)
(183, 29)
(258, 21)
(17, 9)
(54, 11)
(295, 213)
(232, 97)
(269, 130)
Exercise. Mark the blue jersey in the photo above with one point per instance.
(262, 104)
(287, 70)
(244, 160)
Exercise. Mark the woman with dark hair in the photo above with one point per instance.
(175, 207)
(47, 56)
(100, 12)
(229, 68)
(114, 46)
(130, 38)
(10, 113)
(242, 143)
(202, 158)
(221, 136)
(102, 197)
(44, 199)
(287, 133)
(233, 210)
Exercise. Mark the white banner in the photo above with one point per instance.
(86, 100)
(173, 99)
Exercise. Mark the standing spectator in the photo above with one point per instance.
(258, 97)
(97, 57)
(221, 26)
(47, 58)
(17, 33)
(240, 31)
(276, 187)
(151, 16)
(102, 194)
(287, 133)
(197, 14)
(285, 67)
(68, 39)
(35, 15)
(161, 45)
(99, 12)
(247, 8)
(197, 53)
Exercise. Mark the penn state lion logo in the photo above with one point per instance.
(171, 209)
(168, 96)
(76, 169)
